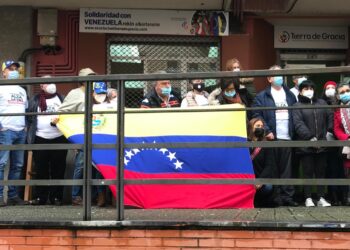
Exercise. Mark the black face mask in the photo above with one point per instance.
(198, 86)
(259, 133)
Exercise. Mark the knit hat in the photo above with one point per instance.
(333, 83)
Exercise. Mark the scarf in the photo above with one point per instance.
(42, 100)
(345, 119)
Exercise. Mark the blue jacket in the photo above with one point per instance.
(265, 99)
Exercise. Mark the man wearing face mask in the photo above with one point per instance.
(312, 125)
(49, 164)
(197, 96)
(297, 80)
(13, 99)
(278, 126)
(161, 95)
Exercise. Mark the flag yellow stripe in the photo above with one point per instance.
(211, 123)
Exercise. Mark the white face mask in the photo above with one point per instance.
(308, 93)
(330, 92)
(100, 98)
(51, 88)
(236, 69)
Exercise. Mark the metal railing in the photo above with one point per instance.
(120, 182)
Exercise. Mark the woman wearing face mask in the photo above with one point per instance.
(312, 125)
(342, 123)
(197, 96)
(338, 195)
(230, 93)
(49, 164)
(263, 163)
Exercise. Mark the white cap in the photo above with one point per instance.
(86, 72)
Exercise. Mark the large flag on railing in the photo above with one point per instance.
(173, 163)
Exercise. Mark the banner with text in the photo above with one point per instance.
(163, 22)
(310, 37)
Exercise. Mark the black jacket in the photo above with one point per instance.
(264, 163)
(309, 123)
(152, 100)
(32, 119)
(265, 99)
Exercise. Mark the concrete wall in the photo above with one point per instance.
(16, 31)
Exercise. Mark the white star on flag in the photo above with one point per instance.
(163, 150)
(126, 161)
(135, 150)
(171, 156)
(178, 164)
(128, 154)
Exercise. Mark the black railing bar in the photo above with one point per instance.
(183, 110)
(55, 182)
(180, 181)
(120, 150)
(87, 168)
(341, 182)
(42, 146)
(244, 144)
(176, 76)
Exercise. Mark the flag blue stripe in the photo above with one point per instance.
(179, 160)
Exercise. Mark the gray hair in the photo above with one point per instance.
(342, 84)
(158, 72)
(110, 91)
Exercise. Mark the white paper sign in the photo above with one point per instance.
(310, 37)
(164, 22)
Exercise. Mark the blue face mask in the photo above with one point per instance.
(166, 91)
(14, 74)
(345, 98)
(278, 80)
(231, 93)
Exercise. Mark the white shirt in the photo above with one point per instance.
(282, 115)
(201, 100)
(295, 91)
(44, 129)
(13, 99)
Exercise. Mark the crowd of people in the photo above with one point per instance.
(262, 125)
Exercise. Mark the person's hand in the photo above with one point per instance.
(258, 186)
(54, 120)
(270, 136)
(313, 139)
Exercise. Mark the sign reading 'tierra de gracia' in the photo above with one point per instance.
(163, 22)
(311, 37)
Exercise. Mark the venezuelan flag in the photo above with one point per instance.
(173, 163)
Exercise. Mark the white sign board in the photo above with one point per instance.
(164, 22)
(309, 37)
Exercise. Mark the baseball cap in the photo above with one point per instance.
(100, 87)
(9, 63)
(86, 72)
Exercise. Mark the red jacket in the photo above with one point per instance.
(339, 131)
